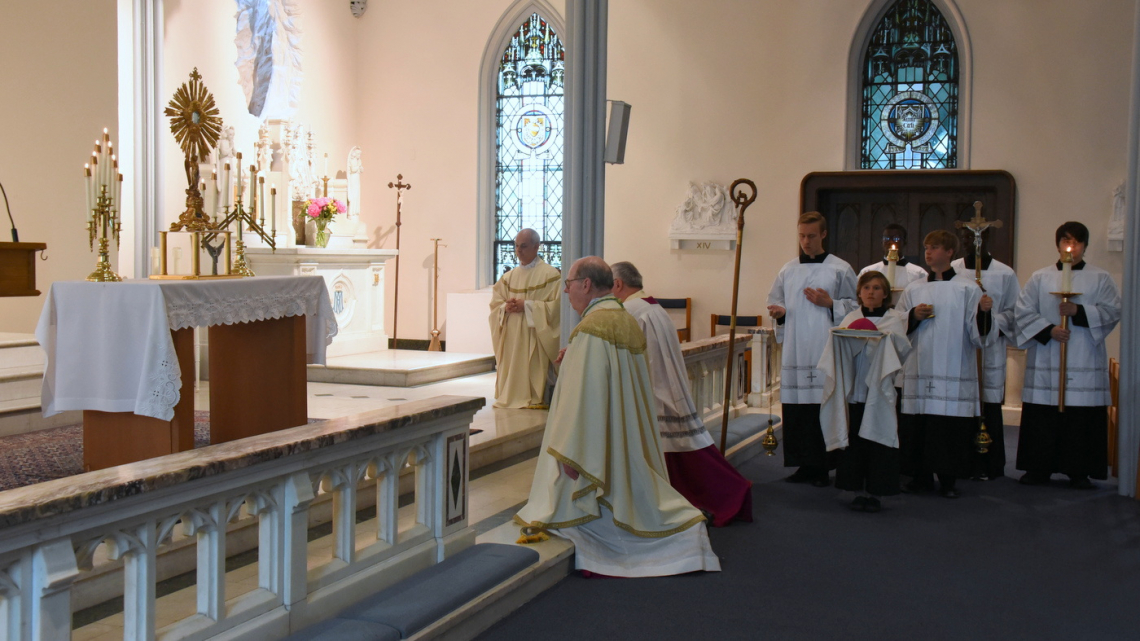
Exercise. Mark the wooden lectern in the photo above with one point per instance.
(18, 268)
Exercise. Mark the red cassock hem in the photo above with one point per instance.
(711, 484)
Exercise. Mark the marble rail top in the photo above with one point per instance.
(693, 348)
(60, 496)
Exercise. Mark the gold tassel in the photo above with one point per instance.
(532, 535)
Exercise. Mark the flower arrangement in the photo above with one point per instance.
(322, 211)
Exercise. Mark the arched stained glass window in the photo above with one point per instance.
(910, 91)
(528, 143)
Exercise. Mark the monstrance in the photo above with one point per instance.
(196, 125)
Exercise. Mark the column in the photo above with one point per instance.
(1129, 428)
(584, 189)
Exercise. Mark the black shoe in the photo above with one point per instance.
(859, 504)
(1082, 483)
(916, 486)
(800, 476)
(949, 493)
(1033, 478)
(821, 481)
(981, 477)
(873, 505)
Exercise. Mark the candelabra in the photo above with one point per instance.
(103, 223)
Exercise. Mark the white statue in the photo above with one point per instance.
(264, 148)
(1116, 223)
(354, 170)
(226, 148)
(298, 165)
(707, 208)
(269, 56)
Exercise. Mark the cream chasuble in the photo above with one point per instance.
(804, 333)
(1087, 365)
(678, 420)
(1001, 285)
(526, 342)
(941, 374)
(621, 512)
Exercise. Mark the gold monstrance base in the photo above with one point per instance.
(241, 265)
(103, 272)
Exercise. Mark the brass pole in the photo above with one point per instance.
(162, 252)
(1064, 364)
(435, 345)
(742, 201)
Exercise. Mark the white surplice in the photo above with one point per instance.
(1087, 359)
(941, 374)
(1001, 285)
(863, 370)
(904, 274)
(678, 420)
(805, 331)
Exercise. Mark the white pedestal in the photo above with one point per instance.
(468, 330)
(355, 278)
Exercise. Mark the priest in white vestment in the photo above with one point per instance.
(810, 296)
(1073, 442)
(1000, 283)
(947, 318)
(600, 480)
(696, 467)
(906, 272)
(525, 326)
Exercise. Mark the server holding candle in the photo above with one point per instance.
(900, 272)
(1072, 441)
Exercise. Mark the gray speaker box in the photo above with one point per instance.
(616, 130)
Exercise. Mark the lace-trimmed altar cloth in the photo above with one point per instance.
(109, 346)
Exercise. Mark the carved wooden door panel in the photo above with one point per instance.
(858, 205)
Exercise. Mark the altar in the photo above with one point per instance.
(123, 353)
(355, 282)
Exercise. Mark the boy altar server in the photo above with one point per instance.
(1000, 284)
(947, 318)
(906, 272)
(696, 467)
(1073, 442)
(810, 296)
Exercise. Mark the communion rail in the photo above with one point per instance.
(704, 363)
(51, 533)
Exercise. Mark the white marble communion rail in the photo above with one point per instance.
(50, 532)
(704, 362)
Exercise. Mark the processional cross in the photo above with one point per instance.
(399, 186)
(977, 225)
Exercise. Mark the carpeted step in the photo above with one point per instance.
(416, 602)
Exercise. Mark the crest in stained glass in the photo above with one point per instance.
(910, 91)
(529, 143)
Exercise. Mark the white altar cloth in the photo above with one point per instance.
(109, 346)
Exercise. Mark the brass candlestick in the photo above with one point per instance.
(435, 345)
(104, 220)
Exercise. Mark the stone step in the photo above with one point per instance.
(23, 415)
(18, 351)
(400, 368)
(19, 383)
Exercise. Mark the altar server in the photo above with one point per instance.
(1073, 442)
(525, 326)
(1000, 283)
(600, 480)
(946, 318)
(869, 464)
(696, 467)
(810, 296)
(906, 272)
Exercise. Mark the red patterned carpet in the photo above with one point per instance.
(58, 452)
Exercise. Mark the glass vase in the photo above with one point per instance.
(323, 235)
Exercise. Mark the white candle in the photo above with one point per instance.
(892, 263)
(1067, 271)
(88, 181)
(213, 195)
(118, 192)
(226, 187)
(326, 165)
(273, 209)
(261, 197)
(239, 185)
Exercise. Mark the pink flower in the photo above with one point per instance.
(313, 209)
(340, 208)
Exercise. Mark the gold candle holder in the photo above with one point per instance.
(241, 265)
(198, 239)
(104, 218)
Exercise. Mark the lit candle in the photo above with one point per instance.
(96, 178)
(1067, 270)
(88, 181)
(273, 209)
(892, 262)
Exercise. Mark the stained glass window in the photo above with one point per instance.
(910, 91)
(528, 143)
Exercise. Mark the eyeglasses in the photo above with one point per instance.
(570, 280)
(892, 239)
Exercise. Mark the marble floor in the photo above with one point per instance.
(400, 367)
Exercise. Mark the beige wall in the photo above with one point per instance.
(720, 89)
(58, 79)
(200, 33)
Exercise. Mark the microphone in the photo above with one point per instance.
(15, 234)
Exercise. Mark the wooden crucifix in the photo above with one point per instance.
(399, 186)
